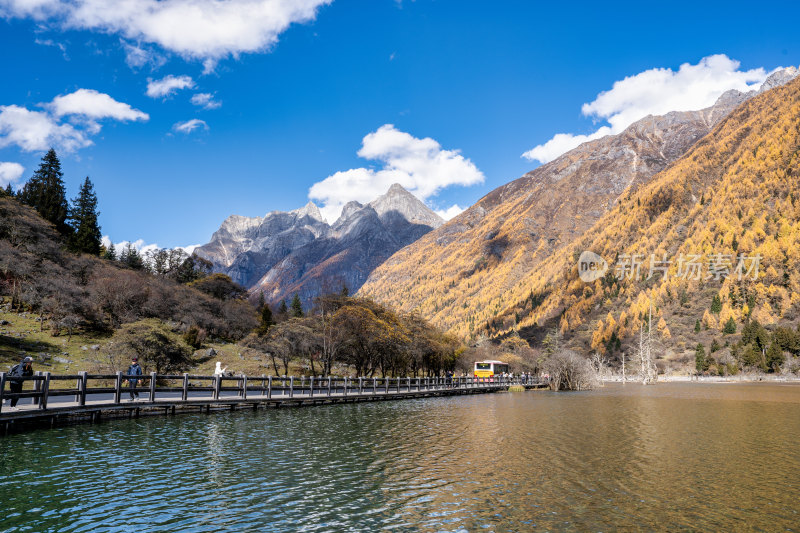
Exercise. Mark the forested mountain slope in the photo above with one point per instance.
(477, 265)
(734, 197)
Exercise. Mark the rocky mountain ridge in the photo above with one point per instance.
(731, 203)
(283, 253)
(462, 274)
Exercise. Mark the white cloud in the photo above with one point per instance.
(142, 247)
(94, 105)
(196, 29)
(37, 130)
(168, 85)
(10, 172)
(655, 92)
(190, 249)
(50, 42)
(206, 100)
(137, 56)
(190, 125)
(451, 212)
(138, 244)
(40, 130)
(419, 165)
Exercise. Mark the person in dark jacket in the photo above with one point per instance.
(22, 370)
(134, 370)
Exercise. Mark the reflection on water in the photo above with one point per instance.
(670, 456)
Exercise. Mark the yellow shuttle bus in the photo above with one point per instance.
(488, 369)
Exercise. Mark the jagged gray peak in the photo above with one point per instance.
(349, 209)
(297, 251)
(309, 210)
(778, 78)
(398, 200)
(245, 245)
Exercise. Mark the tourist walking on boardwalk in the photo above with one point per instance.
(22, 370)
(218, 370)
(134, 370)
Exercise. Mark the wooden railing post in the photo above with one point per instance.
(263, 385)
(2, 390)
(269, 387)
(311, 389)
(45, 391)
(386, 383)
(374, 385)
(217, 386)
(37, 387)
(291, 387)
(152, 387)
(82, 382)
(345, 386)
(329, 386)
(118, 388)
(185, 391)
(78, 388)
(360, 386)
(243, 393)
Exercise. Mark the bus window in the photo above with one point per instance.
(483, 366)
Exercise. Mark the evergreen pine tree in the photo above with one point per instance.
(45, 192)
(283, 311)
(697, 326)
(700, 362)
(110, 253)
(716, 304)
(297, 307)
(83, 215)
(774, 358)
(131, 257)
(730, 326)
(261, 300)
(266, 320)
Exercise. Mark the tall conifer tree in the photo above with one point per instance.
(297, 307)
(83, 215)
(45, 192)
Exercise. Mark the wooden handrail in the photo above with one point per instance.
(262, 386)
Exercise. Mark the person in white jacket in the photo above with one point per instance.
(219, 371)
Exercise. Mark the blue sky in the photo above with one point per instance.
(446, 95)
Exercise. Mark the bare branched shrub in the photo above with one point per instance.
(569, 371)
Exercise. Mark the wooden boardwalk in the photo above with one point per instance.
(92, 397)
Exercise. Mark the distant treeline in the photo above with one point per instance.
(356, 333)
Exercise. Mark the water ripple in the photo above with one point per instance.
(697, 457)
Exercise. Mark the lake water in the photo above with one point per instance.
(711, 457)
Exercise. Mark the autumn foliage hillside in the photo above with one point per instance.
(465, 273)
(734, 194)
(82, 292)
